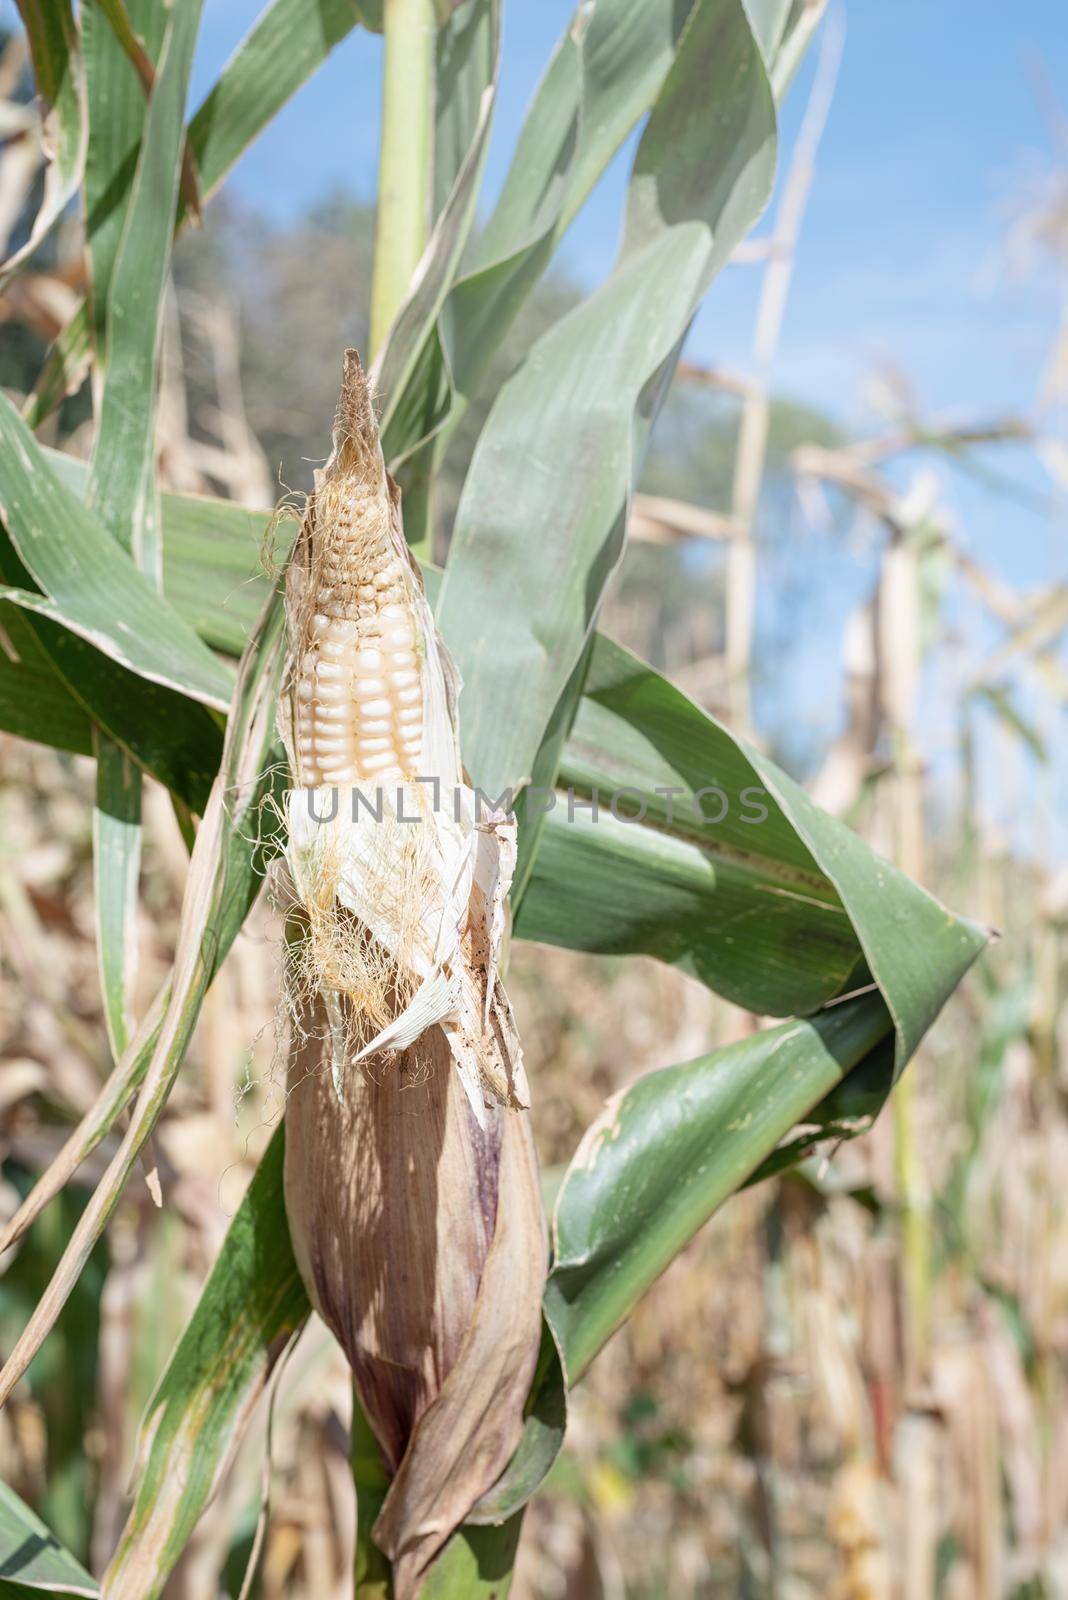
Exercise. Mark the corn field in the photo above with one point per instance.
(455, 1124)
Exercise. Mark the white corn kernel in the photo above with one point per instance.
(368, 691)
(372, 764)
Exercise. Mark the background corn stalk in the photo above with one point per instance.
(822, 917)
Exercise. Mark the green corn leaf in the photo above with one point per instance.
(218, 558)
(715, 877)
(916, 950)
(62, 1382)
(802, 20)
(819, 909)
(476, 1564)
(34, 701)
(55, 51)
(117, 107)
(217, 564)
(769, 19)
(252, 1307)
(89, 585)
(63, 370)
(116, 869)
(32, 1560)
(288, 42)
(666, 1152)
(588, 392)
(130, 274)
(285, 46)
(219, 889)
(757, 931)
(466, 52)
(175, 739)
(543, 775)
(138, 33)
(604, 75)
(214, 574)
(122, 480)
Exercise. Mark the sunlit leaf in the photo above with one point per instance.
(670, 1149)
(88, 584)
(538, 535)
(32, 1560)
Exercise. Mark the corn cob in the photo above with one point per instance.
(362, 623)
(359, 697)
(372, 704)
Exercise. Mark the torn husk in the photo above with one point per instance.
(401, 873)
(411, 1180)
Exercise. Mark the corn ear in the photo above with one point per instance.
(410, 1175)
(384, 831)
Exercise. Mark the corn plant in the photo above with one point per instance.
(584, 801)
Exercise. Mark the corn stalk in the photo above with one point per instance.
(400, 1199)
(403, 217)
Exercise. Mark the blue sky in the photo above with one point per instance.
(936, 133)
(934, 128)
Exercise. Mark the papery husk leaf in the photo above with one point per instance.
(421, 1240)
(468, 1435)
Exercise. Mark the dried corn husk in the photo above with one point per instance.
(411, 1179)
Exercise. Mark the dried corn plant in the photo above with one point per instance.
(398, 1197)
